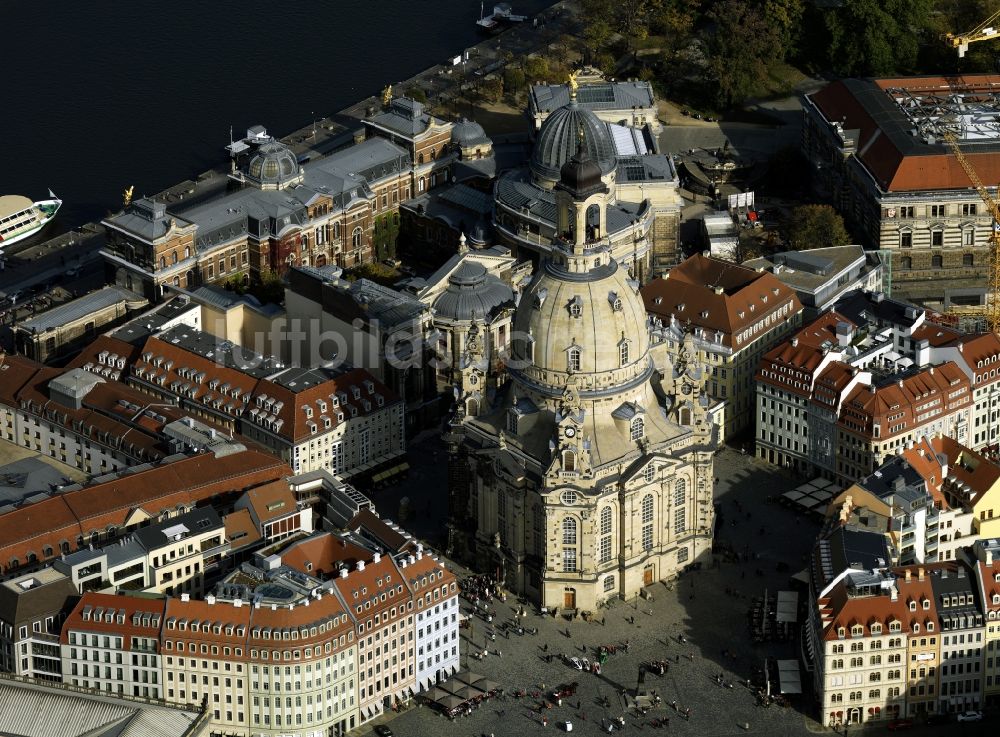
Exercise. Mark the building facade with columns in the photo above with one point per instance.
(574, 482)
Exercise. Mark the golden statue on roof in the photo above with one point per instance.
(573, 85)
(387, 95)
(127, 196)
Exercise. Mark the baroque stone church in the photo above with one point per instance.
(580, 473)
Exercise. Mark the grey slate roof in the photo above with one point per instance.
(473, 294)
(36, 710)
(196, 521)
(387, 305)
(78, 309)
(858, 306)
(647, 168)
(404, 116)
(467, 133)
(48, 596)
(21, 479)
(146, 218)
(601, 96)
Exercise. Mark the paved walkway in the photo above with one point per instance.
(707, 607)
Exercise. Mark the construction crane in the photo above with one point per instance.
(983, 32)
(993, 293)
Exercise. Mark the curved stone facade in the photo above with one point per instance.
(571, 481)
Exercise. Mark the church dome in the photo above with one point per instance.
(468, 133)
(273, 166)
(581, 317)
(560, 137)
(472, 294)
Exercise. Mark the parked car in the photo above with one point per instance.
(383, 731)
(576, 663)
(899, 724)
(970, 716)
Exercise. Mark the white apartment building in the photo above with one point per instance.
(435, 591)
(111, 643)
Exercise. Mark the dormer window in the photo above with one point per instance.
(916, 628)
(576, 307)
(913, 606)
(876, 629)
(927, 604)
(857, 630)
(841, 632)
(309, 411)
(930, 626)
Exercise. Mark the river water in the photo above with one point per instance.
(104, 94)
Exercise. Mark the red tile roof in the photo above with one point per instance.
(97, 606)
(908, 403)
(320, 555)
(897, 170)
(843, 610)
(94, 508)
(718, 296)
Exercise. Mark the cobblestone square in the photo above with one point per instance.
(707, 607)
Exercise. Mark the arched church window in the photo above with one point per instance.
(623, 353)
(647, 522)
(569, 531)
(569, 460)
(637, 429)
(573, 359)
(680, 492)
(604, 553)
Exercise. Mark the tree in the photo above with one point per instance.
(514, 81)
(492, 88)
(386, 233)
(271, 288)
(874, 37)
(674, 20)
(815, 226)
(786, 17)
(536, 69)
(741, 49)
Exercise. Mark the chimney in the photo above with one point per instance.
(795, 342)
(961, 572)
(210, 599)
(185, 597)
(343, 573)
(411, 559)
(718, 290)
(920, 573)
(907, 575)
(376, 557)
(361, 565)
(238, 603)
